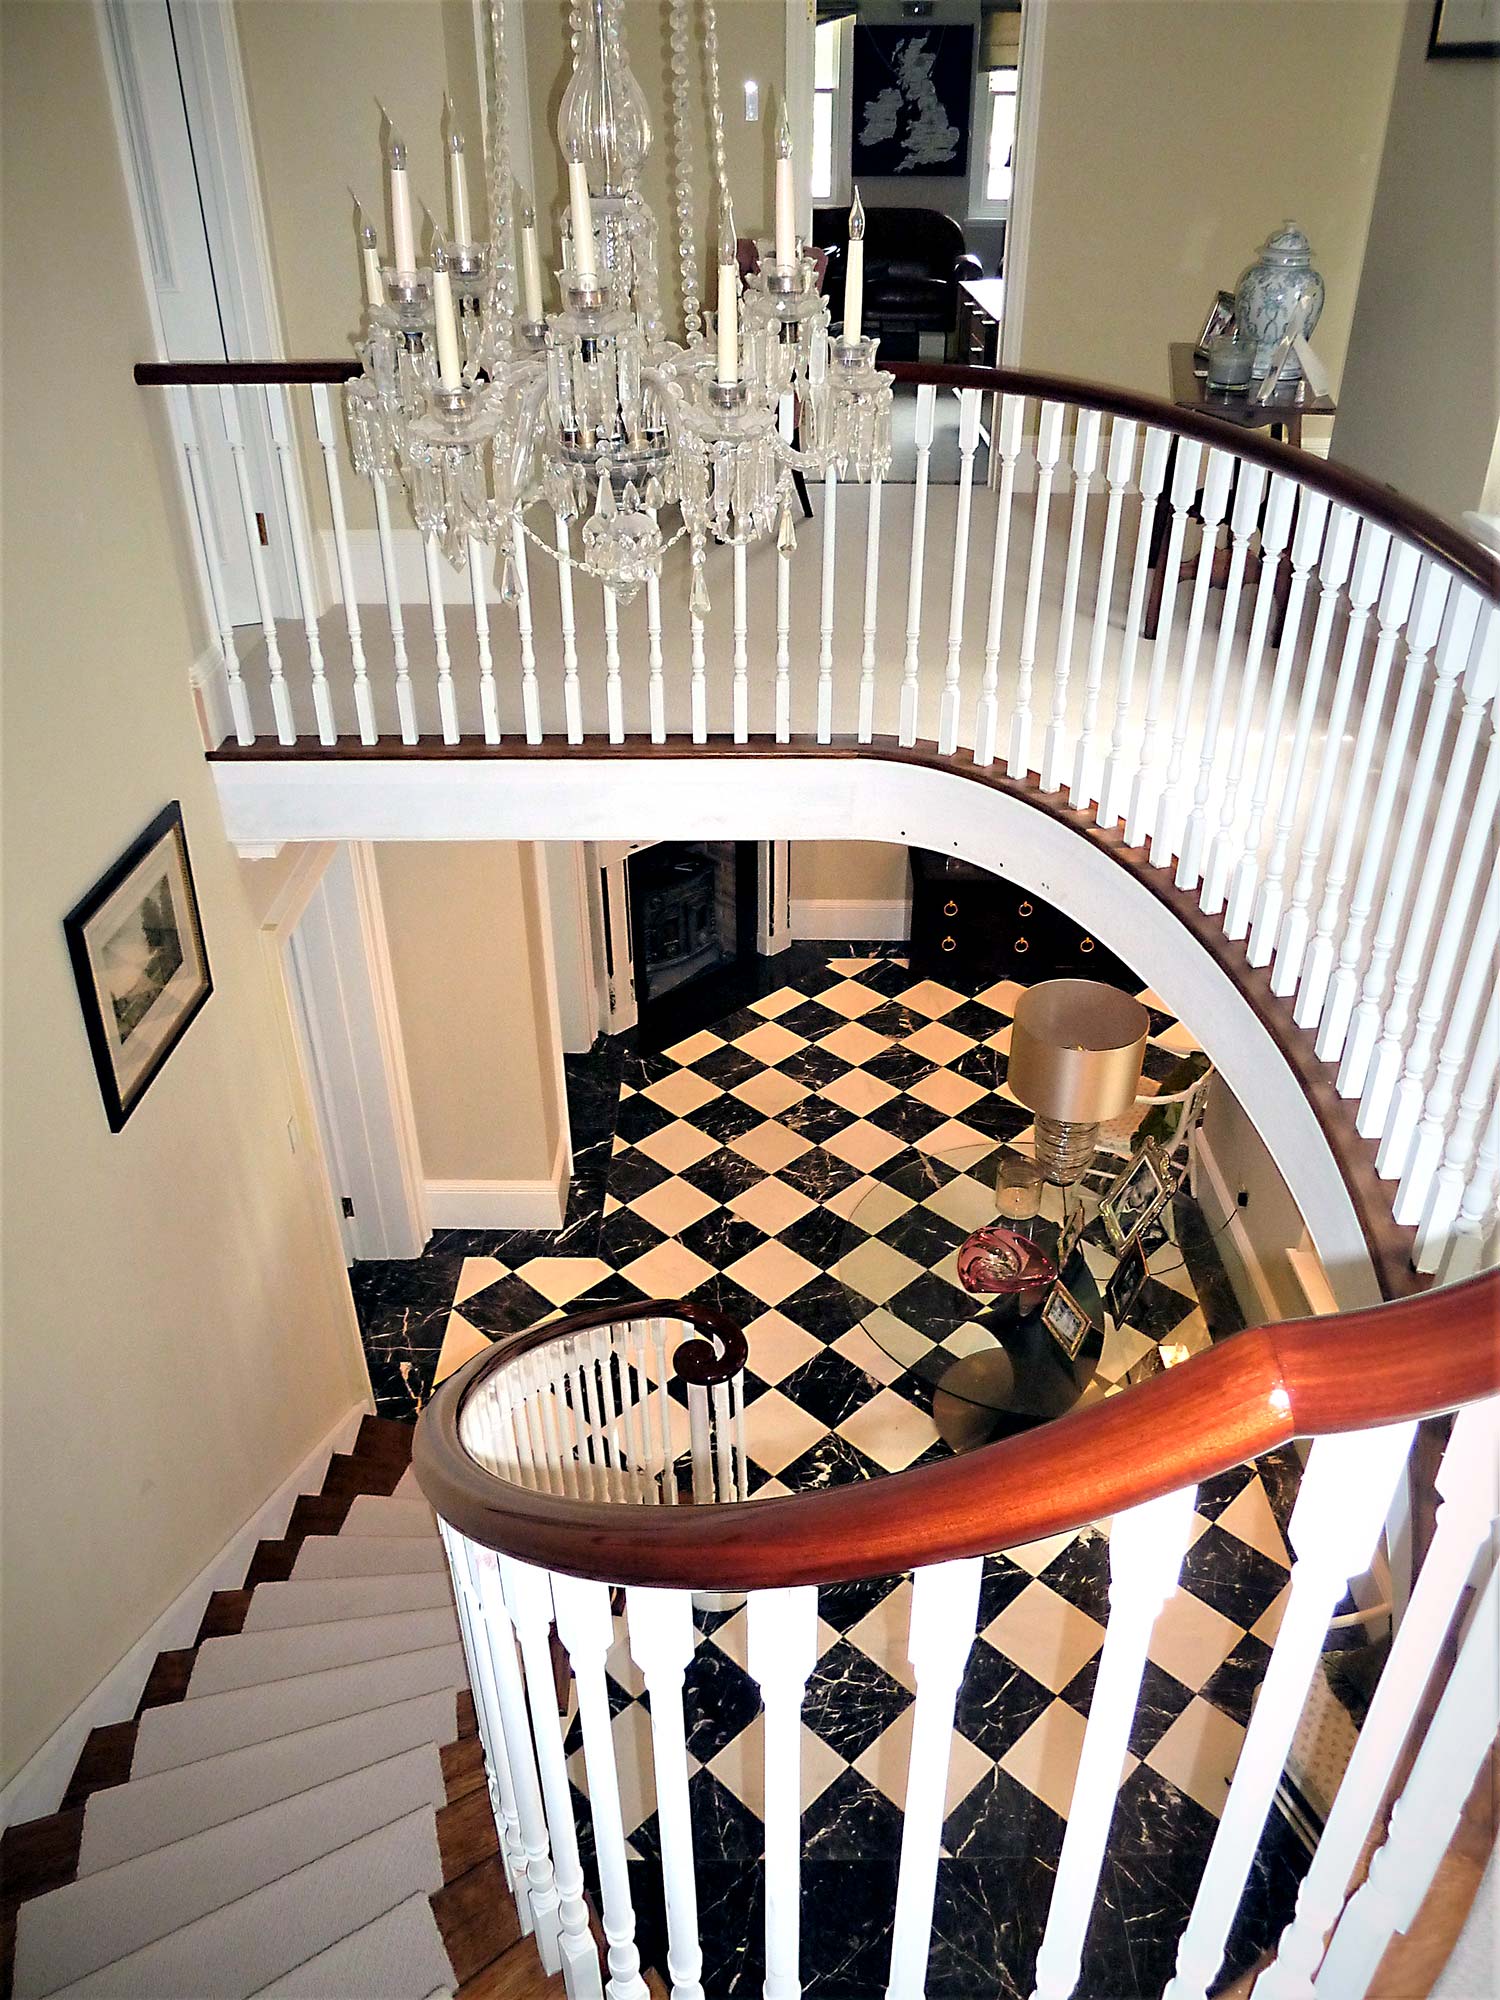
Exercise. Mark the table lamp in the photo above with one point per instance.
(1075, 1060)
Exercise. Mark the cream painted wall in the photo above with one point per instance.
(179, 1334)
(1266, 1228)
(1173, 136)
(849, 871)
(465, 940)
(1421, 390)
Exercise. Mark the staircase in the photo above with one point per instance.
(299, 1806)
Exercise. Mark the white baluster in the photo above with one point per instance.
(944, 1606)
(281, 704)
(186, 420)
(1146, 1547)
(572, 697)
(447, 706)
(1460, 1247)
(406, 709)
(1445, 1214)
(1341, 1507)
(1395, 603)
(871, 614)
(825, 605)
(702, 1443)
(723, 1443)
(1117, 476)
(1168, 815)
(587, 1630)
(741, 1463)
(661, 1644)
(1307, 540)
(364, 707)
(1457, 928)
(1425, 1816)
(1333, 568)
(1291, 936)
(969, 402)
(1459, 621)
(698, 683)
(926, 418)
(1048, 448)
(1469, 1502)
(1183, 495)
(487, 1714)
(489, 710)
(786, 422)
(528, 1591)
(1343, 989)
(1249, 489)
(541, 1883)
(1007, 442)
(1274, 531)
(291, 493)
(1085, 460)
(1112, 792)
(614, 697)
(664, 1410)
(782, 1641)
(656, 692)
(1480, 683)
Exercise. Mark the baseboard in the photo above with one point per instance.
(209, 680)
(885, 920)
(499, 1204)
(38, 1786)
(1242, 1261)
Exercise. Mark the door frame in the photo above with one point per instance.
(1023, 181)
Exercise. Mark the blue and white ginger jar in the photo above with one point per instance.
(1279, 287)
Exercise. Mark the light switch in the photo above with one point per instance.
(752, 101)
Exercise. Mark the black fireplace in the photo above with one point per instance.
(692, 918)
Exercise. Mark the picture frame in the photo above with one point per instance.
(1136, 1195)
(1123, 1287)
(139, 960)
(912, 95)
(1070, 1234)
(1065, 1319)
(1464, 29)
(1220, 320)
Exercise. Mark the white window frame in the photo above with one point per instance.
(841, 192)
(981, 208)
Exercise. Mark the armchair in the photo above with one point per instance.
(915, 260)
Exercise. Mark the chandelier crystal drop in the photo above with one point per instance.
(490, 409)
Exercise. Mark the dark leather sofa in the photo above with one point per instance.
(914, 261)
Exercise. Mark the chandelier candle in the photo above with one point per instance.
(370, 256)
(729, 302)
(531, 267)
(585, 270)
(450, 368)
(786, 194)
(401, 230)
(854, 273)
(458, 189)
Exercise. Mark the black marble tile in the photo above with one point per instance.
(728, 1296)
(510, 1305)
(741, 1022)
(1281, 1475)
(931, 1305)
(1234, 1685)
(852, 1820)
(894, 1020)
(1231, 1576)
(907, 1118)
(818, 1174)
(726, 1118)
(722, 1826)
(829, 1388)
(832, 1461)
(405, 1301)
(810, 1020)
(814, 976)
(901, 1068)
(815, 1118)
(1158, 1063)
(819, 1236)
(1215, 1494)
(923, 1235)
(976, 1019)
(844, 1604)
(1001, 1816)
(719, 1700)
(997, 1700)
(727, 1066)
(846, 1927)
(916, 1387)
(637, 1069)
(814, 1067)
(1162, 1699)
(1000, 1584)
(401, 1379)
(824, 1307)
(721, 1236)
(996, 1117)
(625, 1236)
(1159, 1310)
(851, 1700)
(633, 1173)
(984, 1066)
(723, 1174)
(1153, 1817)
(613, 1290)
(888, 978)
(1080, 1573)
(640, 1116)
(989, 1918)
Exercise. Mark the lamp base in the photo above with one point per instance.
(1064, 1148)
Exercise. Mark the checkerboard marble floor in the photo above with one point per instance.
(809, 1163)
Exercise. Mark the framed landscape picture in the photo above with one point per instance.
(1465, 28)
(911, 92)
(136, 942)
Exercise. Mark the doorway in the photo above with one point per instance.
(693, 911)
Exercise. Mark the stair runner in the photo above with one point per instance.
(305, 1811)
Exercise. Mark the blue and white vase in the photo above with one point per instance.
(1280, 289)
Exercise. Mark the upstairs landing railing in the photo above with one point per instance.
(525, 1557)
(1279, 677)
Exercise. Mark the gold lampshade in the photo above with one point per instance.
(1076, 1049)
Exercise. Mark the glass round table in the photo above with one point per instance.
(1001, 1363)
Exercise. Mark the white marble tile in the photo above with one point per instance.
(1191, 1639)
(694, 1048)
(772, 1204)
(876, 1271)
(965, 1202)
(952, 1137)
(887, 1760)
(1199, 1752)
(741, 1765)
(945, 1090)
(857, 1346)
(885, 1632)
(896, 1337)
(772, 1271)
(461, 1342)
(1045, 1758)
(476, 1274)
(682, 1092)
(858, 1092)
(932, 998)
(855, 1043)
(770, 1043)
(1042, 1632)
(938, 1043)
(777, 1346)
(776, 1431)
(770, 1093)
(870, 1203)
(563, 1278)
(890, 1430)
(863, 1145)
(1035, 1556)
(782, 1001)
(677, 1145)
(670, 1271)
(850, 998)
(1269, 1622)
(770, 1145)
(673, 1205)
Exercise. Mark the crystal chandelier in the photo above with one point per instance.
(486, 406)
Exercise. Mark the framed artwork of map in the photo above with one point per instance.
(912, 88)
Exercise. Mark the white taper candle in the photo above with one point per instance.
(854, 273)
(786, 194)
(584, 267)
(458, 189)
(450, 367)
(403, 241)
(531, 266)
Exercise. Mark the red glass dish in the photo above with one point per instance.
(1000, 1261)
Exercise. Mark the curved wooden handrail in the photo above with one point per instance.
(1352, 1371)
(1425, 530)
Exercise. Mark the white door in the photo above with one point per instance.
(160, 49)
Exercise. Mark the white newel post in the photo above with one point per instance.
(1087, 785)
(281, 704)
(661, 1644)
(1086, 425)
(1146, 1547)
(487, 1714)
(1184, 493)
(1345, 1496)
(1422, 628)
(1112, 792)
(187, 430)
(926, 418)
(1307, 539)
(1469, 1503)
(969, 402)
(587, 1630)
(1007, 442)
(1048, 449)
(783, 1650)
(1291, 937)
(825, 604)
(944, 1607)
(1424, 1817)
(866, 722)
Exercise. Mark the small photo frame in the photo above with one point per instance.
(1069, 1234)
(1464, 28)
(1125, 1282)
(1220, 320)
(1136, 1195)
(1065, 1319)
(136, 943)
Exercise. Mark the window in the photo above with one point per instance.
(830, 149)
(1000, 135)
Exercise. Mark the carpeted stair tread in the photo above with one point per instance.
(216, 1723)
(75, 1930)
(380, 1514)
(367, 1555)
(235, 1951)
(406, 1487)
(151, 1812)
(276, 1606)
(250, 1659)
(397, 1957)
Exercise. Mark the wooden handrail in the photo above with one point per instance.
(1425, 530)
(1350, 1371)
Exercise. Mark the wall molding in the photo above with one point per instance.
(38, 1786)
(539, 1204)
(208, 677)
(1242, 1259)
(887, 918)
